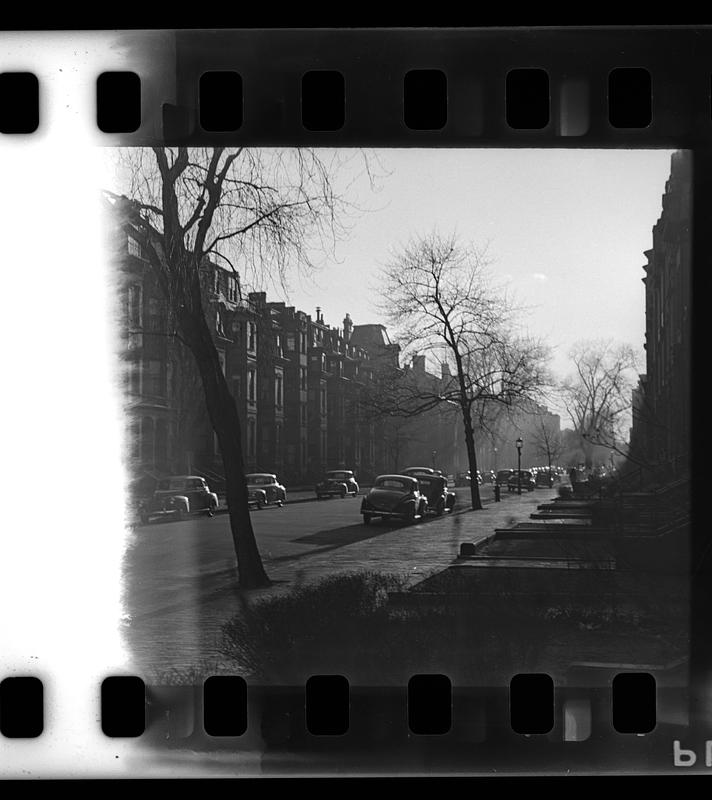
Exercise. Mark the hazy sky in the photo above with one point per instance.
(566, 229)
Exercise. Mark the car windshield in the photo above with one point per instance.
(393, 483)
(338, 476)
(504, 473)
(260, 480)
(428, 481)
(523, 473)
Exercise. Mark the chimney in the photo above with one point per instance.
(319, 318)
(348, 328)
(445, 371)
(419, 363)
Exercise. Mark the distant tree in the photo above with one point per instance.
(598, 396)
(546, 439)
(438, 295)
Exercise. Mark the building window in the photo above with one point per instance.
(303, 415)
(278, 345)
(251, 337)
(155, 378)
(134, 379)
(154, 323)
(278, 441)
(232, 289)
(303, 379)
(291, 342)
(147, 440)
(135, 306)
(323, 446)
(252, 385)
(251, 439)
(278, 391)
(134, 248)
(322, 403)
(303, 341)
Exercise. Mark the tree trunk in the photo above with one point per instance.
(226, 424)
(471, 459)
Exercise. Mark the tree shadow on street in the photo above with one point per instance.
(334, 538)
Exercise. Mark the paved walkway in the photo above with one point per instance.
(184, 642)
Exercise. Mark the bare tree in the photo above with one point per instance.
(547, 440)
(598, 396)
(438, 295)
(265, 210)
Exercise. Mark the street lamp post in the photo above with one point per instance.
(519, 464)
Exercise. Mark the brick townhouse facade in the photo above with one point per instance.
(297, 382)
(660, 437)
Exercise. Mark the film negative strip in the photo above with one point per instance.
(350, 423)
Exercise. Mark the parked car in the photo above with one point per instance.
(545, 478)
(503, 476)
(462, 478)
(439, 497)
(415, 471)
(177, 497)
(339, 482)
(528, 483)
(263, 488)
(395, 497)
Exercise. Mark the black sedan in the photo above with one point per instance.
(338, 482)
(178, 496)
(526, 481)
(263, 488)
(394, 496)
(440, 498)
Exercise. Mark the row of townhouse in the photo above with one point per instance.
(660, 437)
(297, 383)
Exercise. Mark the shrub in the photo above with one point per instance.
(332, 624)
(345, 624)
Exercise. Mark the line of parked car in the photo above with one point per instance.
(409, 495)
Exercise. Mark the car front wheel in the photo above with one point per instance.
(409, 516)
(367, 519)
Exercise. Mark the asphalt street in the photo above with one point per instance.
(180, 578)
